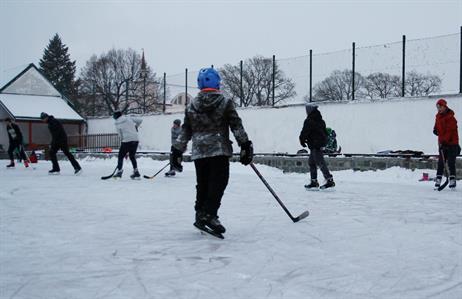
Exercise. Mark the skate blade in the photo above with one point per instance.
(206, 232)
(312, 189)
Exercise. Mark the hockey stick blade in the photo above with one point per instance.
(302, 216)
(109, 176)
(444, 185)
(153, 176)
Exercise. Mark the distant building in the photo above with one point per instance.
(28, 94)
(179, 102)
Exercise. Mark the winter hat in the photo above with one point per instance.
(442, 102)
(208, 78)
(43, 115)
(310, 108)
(177, 122)
(116, 114)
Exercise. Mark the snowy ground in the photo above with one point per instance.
(377, 235)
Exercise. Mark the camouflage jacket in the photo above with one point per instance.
(207, 121)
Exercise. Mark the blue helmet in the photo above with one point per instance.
(208, 78)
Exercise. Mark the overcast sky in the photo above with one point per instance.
(177, 34)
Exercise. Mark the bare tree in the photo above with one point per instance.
(257, 83)
(337, 87)
(422, 85)
(382, 85)
(112, 80)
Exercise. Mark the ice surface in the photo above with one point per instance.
(377, 235)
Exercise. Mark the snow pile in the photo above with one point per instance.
(362, 127)
(377, 235)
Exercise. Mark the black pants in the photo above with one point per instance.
(15, 145)
(317, 160)
(450, 153)
(130, 148)
(55, 147)
(212, 176)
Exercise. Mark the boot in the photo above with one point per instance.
(329, 183)
(53, 171)
(11, 165)
(438, 181)
(136, 175)
(214, 224)
(170, 173)
(452, 181)
(118, 175)
(314, 184)
(78, 171)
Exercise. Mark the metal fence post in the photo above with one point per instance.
(274, 75)
(353, 73)
(460, 61)
(311, 75)
(165, 92)
(186, 87)
(403, 75)
(241, 86)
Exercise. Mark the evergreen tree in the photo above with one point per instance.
(58, 67)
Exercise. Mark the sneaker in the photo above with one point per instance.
(118, 175)
(78, 171)
(438, 181)
(170, 173)
(136, 175)
(314, 184)
(329, 183)
(53, 171)
(214, 224)
(452, 181)
(11, 165)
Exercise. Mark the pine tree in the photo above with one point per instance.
(58, 67)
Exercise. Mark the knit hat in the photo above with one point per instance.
(310, 108)
(43, 115)
(442, 102)
(177, 122)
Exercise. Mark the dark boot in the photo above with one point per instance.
(314, 184)
(53, 171)
(136, 175)
(452, 181)
(118, 175)
(11, 165)
(438, 181)
(329, 183)
(214, 224)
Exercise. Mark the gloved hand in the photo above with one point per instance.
(176, 157)
(246, 153)
(303, 143)
(435, 131)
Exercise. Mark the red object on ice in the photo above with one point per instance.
(33, 157)
(107, 150)
(425, 176)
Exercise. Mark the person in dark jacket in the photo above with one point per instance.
(448, 141)
(208, 119)
(175, 132)
(58, 142)
(314, 135)
(16, 143)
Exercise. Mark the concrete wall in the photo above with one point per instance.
(362, 127)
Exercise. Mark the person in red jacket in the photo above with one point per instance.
(448, 140)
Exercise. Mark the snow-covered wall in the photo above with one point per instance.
(362, 127)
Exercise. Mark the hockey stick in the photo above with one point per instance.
(294, 219)
(109, 176)
(446, 170)
(153, 176)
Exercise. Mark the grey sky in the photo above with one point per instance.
(179, 34)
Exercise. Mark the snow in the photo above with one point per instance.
(362, 127)
(377, 235)
(29, 106)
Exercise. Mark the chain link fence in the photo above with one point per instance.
(409, 68)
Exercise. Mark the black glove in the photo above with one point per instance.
(435, 131)
(303, 143)
(176, 157)
(246, 152)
